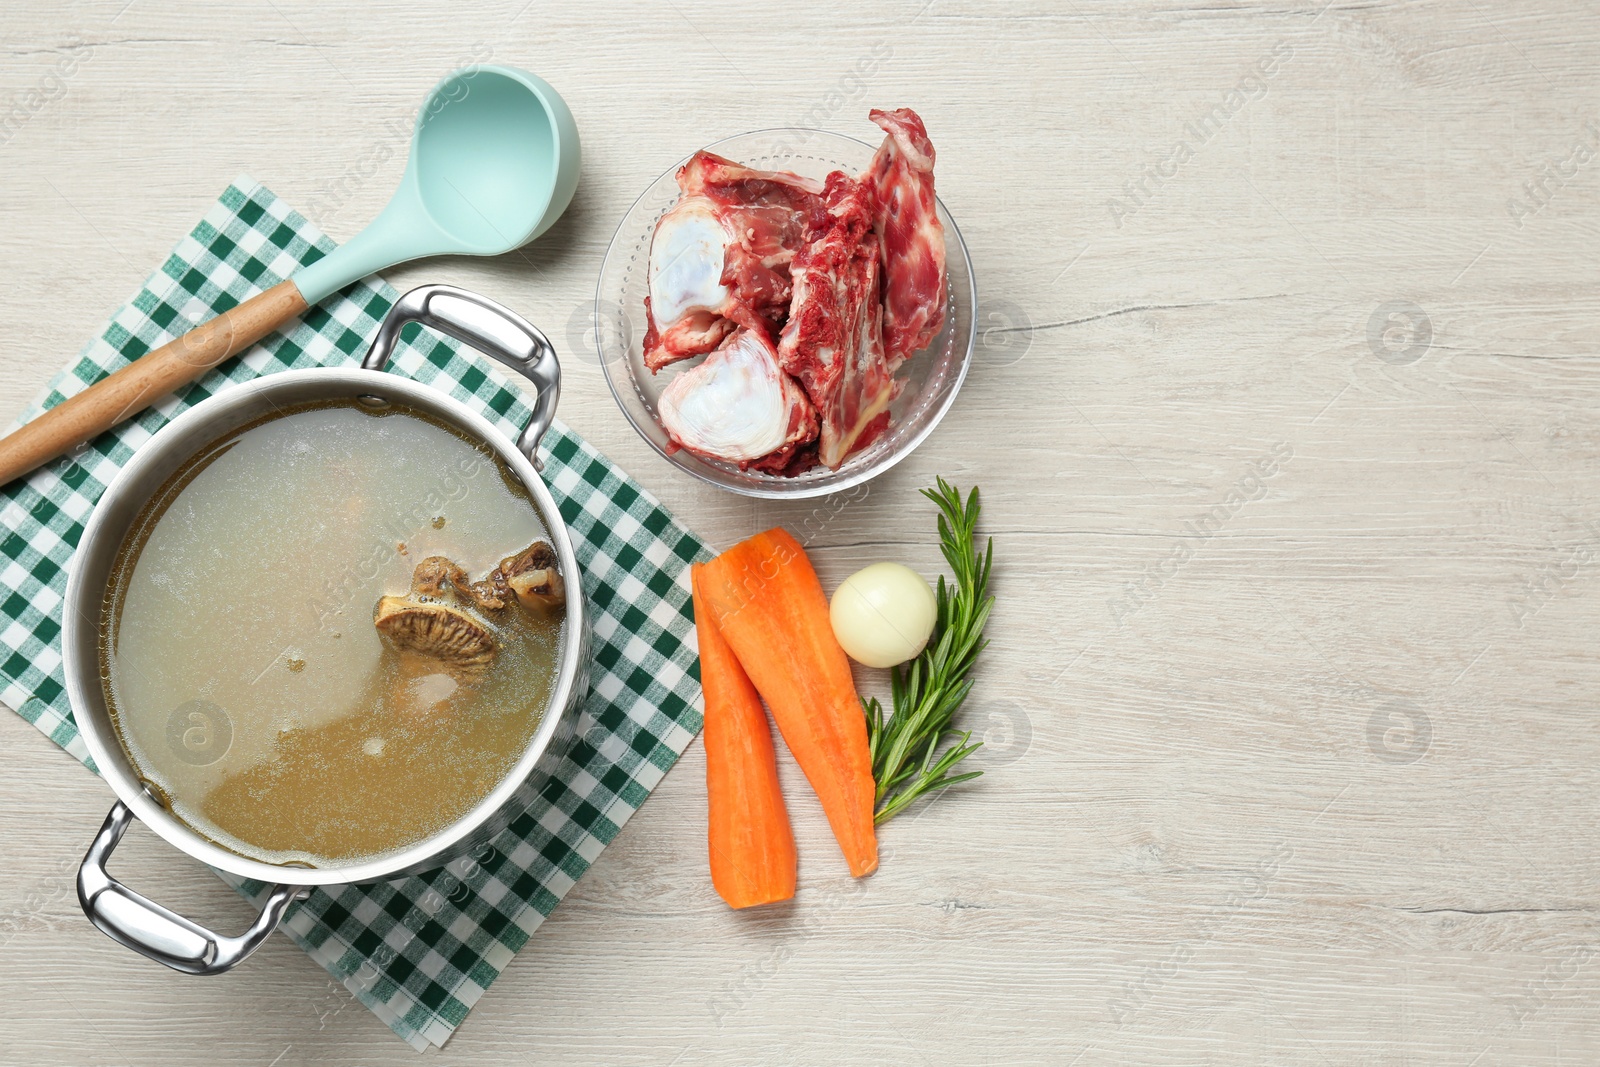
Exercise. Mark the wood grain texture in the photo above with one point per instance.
(1288, 443)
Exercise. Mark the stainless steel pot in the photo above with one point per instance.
(142, 924)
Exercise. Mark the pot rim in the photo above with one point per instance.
(84, 682)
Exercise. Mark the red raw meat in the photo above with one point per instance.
(693, 333)
(720, 257)
(723, 180)
(833, 341)
(901, 178)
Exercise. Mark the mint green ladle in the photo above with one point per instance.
(494, 162)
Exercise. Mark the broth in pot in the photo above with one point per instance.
(332, 633)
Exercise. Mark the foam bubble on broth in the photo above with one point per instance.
(244, 674)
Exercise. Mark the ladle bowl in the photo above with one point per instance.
(494, 162)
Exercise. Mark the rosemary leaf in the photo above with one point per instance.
(914, 747)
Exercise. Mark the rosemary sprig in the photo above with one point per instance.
(909, 752)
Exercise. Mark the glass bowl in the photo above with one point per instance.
(932, 376)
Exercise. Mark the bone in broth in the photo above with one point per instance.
(331, 633)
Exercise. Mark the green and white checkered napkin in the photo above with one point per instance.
(420, 951)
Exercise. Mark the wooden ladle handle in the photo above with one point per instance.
(146, 380)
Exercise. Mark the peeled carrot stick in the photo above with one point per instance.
(765, 599)
(752, 846)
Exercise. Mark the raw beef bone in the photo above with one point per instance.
(905, 216)
(852, 270)
(719, 259)
(739, 406)
(833, 341)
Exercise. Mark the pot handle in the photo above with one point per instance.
(141, 924)
(491, 328)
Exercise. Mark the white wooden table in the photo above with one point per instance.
(1287, 440)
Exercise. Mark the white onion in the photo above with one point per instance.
(883, 615)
